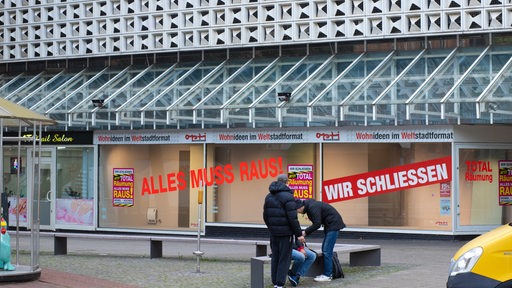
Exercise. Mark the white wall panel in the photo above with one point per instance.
(107, 27)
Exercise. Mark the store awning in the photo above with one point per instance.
(429, 86)
(12, 114)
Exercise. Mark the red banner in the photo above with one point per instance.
(388, 180)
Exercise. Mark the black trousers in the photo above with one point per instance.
(281, 258)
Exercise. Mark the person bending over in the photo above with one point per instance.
(323, 214)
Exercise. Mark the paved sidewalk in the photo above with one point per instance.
(56, 279)
(126, 264)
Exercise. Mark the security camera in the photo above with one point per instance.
(284, 96)
(98, 103)
(492, 107)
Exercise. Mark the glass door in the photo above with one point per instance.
(42, 190)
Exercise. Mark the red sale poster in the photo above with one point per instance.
(301, 180)
(122, 187)
(505, 183)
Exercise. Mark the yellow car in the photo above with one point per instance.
(484, 262)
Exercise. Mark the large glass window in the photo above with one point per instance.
(480, 186)
(147, 186)
(75, 186)
(15, 187)
(242, 200)
(425, 207)
(162, 183)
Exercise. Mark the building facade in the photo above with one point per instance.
(395, 112)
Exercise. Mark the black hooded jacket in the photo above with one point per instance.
(320, 213)
(280, 212)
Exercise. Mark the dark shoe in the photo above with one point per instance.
(293, 280)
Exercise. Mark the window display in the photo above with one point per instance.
(153, 175)
(75, 189)
(481, 187)
(407, 206)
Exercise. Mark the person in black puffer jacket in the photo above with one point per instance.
(320, 213)
(280, 216)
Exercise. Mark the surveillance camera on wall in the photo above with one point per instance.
(284, 96)
(492, 107)
(97, 103)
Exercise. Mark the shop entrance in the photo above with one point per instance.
(42, 188)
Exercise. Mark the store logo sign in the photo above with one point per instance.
(196, 137)
(56, 137)
(328, 136)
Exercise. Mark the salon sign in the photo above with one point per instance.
(388, 180)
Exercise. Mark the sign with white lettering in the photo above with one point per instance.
(387, 180)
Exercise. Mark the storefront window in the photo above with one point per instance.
(484, 188)
(149, 186)
(16, 188)
(75, 186)
(425, 207)
(242, 200)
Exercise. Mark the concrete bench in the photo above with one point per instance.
(156, 244)
(359, 255)
(60, 241)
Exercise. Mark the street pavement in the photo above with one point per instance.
(105, 263)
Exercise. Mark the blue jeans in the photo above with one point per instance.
(327, 249)
(301, 262)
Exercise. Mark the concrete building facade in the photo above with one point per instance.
(395, 112)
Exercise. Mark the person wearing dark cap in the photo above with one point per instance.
(323, 214)
(283, 178)
(302, 257)
(280, 216)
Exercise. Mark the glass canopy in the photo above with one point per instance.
(431, 86)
